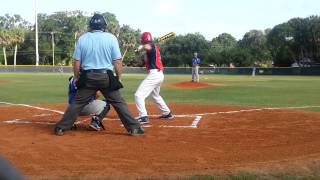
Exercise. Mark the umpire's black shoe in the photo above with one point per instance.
(136, 132)
(58, 131)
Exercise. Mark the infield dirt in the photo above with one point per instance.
(257, 140)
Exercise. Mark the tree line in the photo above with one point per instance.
(295, 41)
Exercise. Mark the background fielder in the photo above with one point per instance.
(195, 67)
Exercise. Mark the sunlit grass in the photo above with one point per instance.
(273, 91)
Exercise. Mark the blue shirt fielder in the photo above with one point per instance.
(195, 61)
(195, 67)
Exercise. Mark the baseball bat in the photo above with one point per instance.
(166, 36)
(160, 39)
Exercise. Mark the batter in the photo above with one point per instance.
(152, 83)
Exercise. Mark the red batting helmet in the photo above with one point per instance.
(146, 37)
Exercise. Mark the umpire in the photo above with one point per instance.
(97, 53)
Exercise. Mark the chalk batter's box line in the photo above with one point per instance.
(194, 124)
(21, 121)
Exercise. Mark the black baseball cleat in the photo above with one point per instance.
(74, 127)
(136, 131)
(167, 116)
(96, 124)
(58, 131)
(143, 120)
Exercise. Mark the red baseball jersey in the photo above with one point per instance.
(153, 58)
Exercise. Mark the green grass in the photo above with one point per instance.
(274, 91)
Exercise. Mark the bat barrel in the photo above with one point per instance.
(167, 36)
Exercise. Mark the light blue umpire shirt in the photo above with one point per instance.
(97, 50)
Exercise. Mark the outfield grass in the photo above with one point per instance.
(274, 91)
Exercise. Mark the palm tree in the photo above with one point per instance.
(127, 39)
(113, 24)
(4, 41)
(17, 37)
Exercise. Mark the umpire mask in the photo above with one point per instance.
(98, 22)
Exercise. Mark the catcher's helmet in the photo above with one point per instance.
(98, 22)
(146, 37)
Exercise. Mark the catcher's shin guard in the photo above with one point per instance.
(104, 112)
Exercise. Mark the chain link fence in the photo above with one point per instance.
(177, 70)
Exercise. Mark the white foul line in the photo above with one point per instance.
(247, 110)
(35, 107)
(18, 121)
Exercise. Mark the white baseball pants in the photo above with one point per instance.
(151, 86)
(94, 107)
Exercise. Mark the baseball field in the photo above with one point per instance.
(226, 127)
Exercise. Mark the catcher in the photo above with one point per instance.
(98, 109)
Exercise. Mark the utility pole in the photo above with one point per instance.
(36, 31)
(52, 43)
